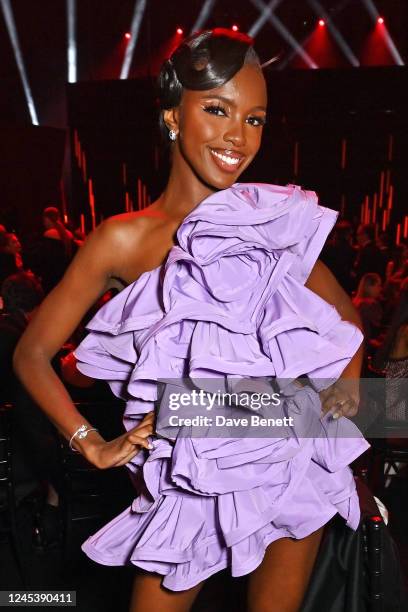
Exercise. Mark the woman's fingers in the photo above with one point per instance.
(338, 401)
(346, 408)
(141, 431)
(125, 458)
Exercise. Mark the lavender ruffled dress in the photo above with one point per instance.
(228, 302)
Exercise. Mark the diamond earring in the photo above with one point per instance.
(172, 135)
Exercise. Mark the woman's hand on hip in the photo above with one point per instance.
(342, 398)
(122, 449)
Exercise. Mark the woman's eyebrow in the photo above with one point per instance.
(231, 102)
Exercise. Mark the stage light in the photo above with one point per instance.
(323, 14)
(140, 6)
(235, 28)
(322, 22)
(12, 32)
(267, 14)
(128, 35)
(71, 50)
(264, 13)
(203, 15)
(375, 16)
(179, 31)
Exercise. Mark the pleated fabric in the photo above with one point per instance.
(229, 304)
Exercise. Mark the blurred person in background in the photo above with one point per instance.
(370, 258)
(11, 260)
(397, 267)
(369, 306)
(51, 255)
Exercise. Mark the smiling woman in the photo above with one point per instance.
(224, 287)
(219, 75)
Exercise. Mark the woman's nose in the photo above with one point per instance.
(235, 135)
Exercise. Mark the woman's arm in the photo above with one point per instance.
(344, 395)
(85, 280)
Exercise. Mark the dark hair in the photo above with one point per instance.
(21, 291)
(203, 61)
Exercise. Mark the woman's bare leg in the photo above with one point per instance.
(149, 596)
(279, 583)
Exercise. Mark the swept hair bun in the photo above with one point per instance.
(203, 61)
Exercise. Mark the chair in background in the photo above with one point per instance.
(10, 492)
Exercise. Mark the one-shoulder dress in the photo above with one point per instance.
(229, 302)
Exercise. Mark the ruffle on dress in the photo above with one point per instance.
(229, 304)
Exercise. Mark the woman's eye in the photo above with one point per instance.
(215, 110)
(257, 121)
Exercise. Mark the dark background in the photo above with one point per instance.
(116, 120)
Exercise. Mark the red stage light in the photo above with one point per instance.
(380, 20)
(127, 35)
(235, 28)
(321, 22)
(179, 30)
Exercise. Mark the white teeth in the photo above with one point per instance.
(232, 161)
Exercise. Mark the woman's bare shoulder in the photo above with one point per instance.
(125, 230)
(131, 243)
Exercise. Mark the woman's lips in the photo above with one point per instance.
(227, 160)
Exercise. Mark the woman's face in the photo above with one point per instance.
(219, 130)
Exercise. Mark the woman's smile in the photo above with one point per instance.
(227, 159)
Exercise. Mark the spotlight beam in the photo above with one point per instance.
(263, 18)
(347, 52)
(278, 25)
(72, 49)
(203, 15)
(293, 52)
(374, 14)
(12, 31)
(137, 18)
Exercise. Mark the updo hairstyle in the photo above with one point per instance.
(203, 61)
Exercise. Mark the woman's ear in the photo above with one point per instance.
(171, 119)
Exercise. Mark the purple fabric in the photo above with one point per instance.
(228, 303)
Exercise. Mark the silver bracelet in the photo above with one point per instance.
(81, 432)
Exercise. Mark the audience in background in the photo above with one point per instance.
(52, 254)
(369, 306)
(11, 259)
(370, 258)
(397, 266)
(392, 358)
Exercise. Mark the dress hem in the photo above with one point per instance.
(243, 570)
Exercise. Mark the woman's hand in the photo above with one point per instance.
(342, 398)
(121, 450)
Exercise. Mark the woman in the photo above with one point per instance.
(210, 267)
